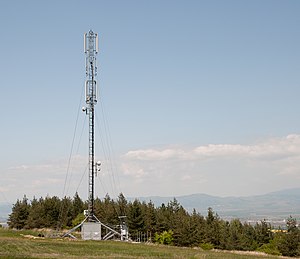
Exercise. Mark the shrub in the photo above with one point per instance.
(80, 217)
(207, 246)
(270, 248)
(165, 238)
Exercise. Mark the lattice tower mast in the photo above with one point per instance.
(91, 51)
(93, 228)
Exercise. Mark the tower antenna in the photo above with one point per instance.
(91, 227)
(91, 50)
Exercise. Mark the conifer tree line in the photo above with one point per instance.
(167, 224)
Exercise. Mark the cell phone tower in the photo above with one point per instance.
(91, 226)
(91, 51)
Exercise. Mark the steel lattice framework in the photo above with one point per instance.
(91, 51)
(92, 229)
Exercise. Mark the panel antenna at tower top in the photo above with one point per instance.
(91, 50)
(90, 37)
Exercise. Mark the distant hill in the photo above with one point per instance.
(274, 205)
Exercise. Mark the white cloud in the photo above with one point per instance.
(152, 154)
(130, 170)
(217, 168)
(43, 178)
(186, 178)
(273, 148)
(5, 188)
(55, 178)
(61, 165)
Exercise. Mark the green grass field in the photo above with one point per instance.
(20, 244)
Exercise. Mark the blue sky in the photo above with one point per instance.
(196, 97)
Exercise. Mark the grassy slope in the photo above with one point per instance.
(14, 245)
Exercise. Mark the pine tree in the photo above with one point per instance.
(34, 219)
(188, 230)
(263, 233)
(248, 239)
(289, 244)
(235, 235)
(163, 215)
(51, 210)
(213, 228)
(68, 212)
(20, 211)
(136, 218)
(122, 205)
(150, 217)
(78, 205)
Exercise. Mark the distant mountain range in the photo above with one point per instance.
(274, 205)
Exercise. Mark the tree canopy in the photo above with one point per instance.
(167, 224)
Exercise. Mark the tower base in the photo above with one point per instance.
(91, 231)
